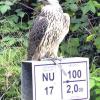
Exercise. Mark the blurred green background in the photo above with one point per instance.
(83, 40)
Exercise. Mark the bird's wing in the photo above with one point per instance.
(36, 34)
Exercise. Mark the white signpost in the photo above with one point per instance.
(67, 79)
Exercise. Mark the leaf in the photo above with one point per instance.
(8, 3)
(98, 92)
(1, 2)
(97, 81)
(4, 8)
(2, 70)
(92, 69)
(13, 18)
(74, 27)
(97, 43)
(70, 48)
(73, 7)
(90, 37)
(89, 7)
(20, 13)
(96, 4)
(23, 26)
(96, 72)
(92, 83)
(98, 96)
(85, 9)
(71, 1)
(9, 40)
(98, 14)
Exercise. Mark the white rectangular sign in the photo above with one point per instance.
(68, 79)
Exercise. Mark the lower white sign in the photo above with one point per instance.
(68, 79)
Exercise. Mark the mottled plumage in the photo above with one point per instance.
(48, 31)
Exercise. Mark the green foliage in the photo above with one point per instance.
(69, 48)
(12, 51)
(13, 22)
(95, 84)
(13, 43)
(97, 43)
(5, 6)
(89, 6)
(90, 37)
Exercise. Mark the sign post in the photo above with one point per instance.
(67, 79)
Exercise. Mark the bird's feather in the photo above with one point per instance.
(36, 34)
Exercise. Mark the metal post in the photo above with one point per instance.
(26, 79)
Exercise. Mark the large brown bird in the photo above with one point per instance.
(49, 29)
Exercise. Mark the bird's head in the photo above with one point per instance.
(49, 2)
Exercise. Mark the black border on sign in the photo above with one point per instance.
(61, 78)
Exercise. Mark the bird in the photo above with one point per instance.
(48, 31)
